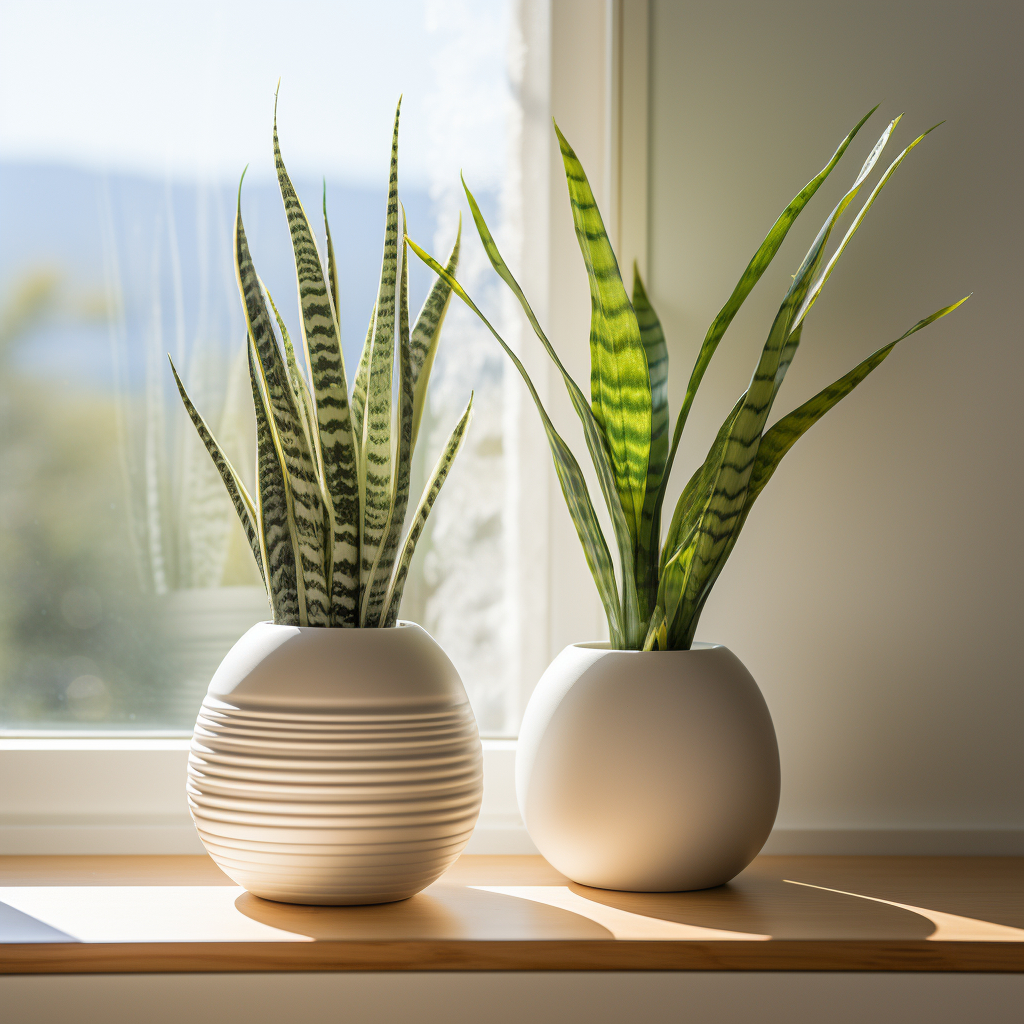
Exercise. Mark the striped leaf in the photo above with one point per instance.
(629, 616)
(277, 525)
(393, 598)
(698, 488)
(653, 338)
(815, 290)
(783, 435)
(570, 476)
(375, 453)
(332, 263)
(240, 499)
(285, 420)
(721, 511)
(722, 514)
(321, 339)
(620, 388)
(358, 399)
(758, 264)
(778, 441)
(426, 334)
(657, 631)
(382, 570)
(300, 389)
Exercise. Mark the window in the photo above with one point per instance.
(119, 159)
(126, 575)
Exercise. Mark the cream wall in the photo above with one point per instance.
(875, 593)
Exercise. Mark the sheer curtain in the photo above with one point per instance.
(125, 579)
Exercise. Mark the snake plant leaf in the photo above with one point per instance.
(357, 402)
(277, 525)
(778, 441)
(815, 290)
(303, 399)
(332, 263)
(722, 511)
(285, 418)
(240, 498)
(426, 334)
(438, 475)
(758, 264)
(657, 632)
(321, 339)
(570, 476)
(620, 386)
(653, 338)
(592, 432)
(697, 488)
(375, 453)
(382, 569)
(787, 431)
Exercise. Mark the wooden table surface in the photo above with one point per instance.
(159, 914)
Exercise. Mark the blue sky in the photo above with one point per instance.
(185, 88)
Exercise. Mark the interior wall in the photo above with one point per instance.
(875, 591)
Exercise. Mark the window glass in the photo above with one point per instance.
(124, 131)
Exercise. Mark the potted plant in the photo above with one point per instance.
(650, 762)
(336, 759)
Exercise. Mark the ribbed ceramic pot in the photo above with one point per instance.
(648, 771)
(335, 766)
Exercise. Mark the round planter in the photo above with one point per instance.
(648, 771)
(335, 766)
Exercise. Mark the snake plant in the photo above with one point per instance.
(663, 583)
(333, 463)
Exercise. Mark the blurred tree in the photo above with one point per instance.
(79, 642)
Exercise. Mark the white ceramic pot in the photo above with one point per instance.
(648, 771)
(335, 766)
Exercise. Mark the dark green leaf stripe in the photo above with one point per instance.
(426, 334)
(276, 525)
(286, 419)
(653, 338)
(758, 264)
(570, 476)
(630, 608)
(619, 383)
(240, 499)
(382, 570)
(375, 449)
(322, 342)
(393, 598)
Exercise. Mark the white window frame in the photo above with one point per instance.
(586, 63)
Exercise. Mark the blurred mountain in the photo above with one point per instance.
(168, 244)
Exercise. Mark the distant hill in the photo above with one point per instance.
(73, 219)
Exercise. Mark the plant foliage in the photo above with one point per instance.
(333, 460)
(664, 582)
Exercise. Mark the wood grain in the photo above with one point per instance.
(181, 914)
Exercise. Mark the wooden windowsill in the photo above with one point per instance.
(165, 914)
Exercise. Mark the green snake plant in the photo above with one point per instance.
(333, 463)
(664, 582)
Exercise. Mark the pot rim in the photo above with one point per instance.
(340, 629)
(698, 647)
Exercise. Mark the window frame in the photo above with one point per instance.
(124, 793)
